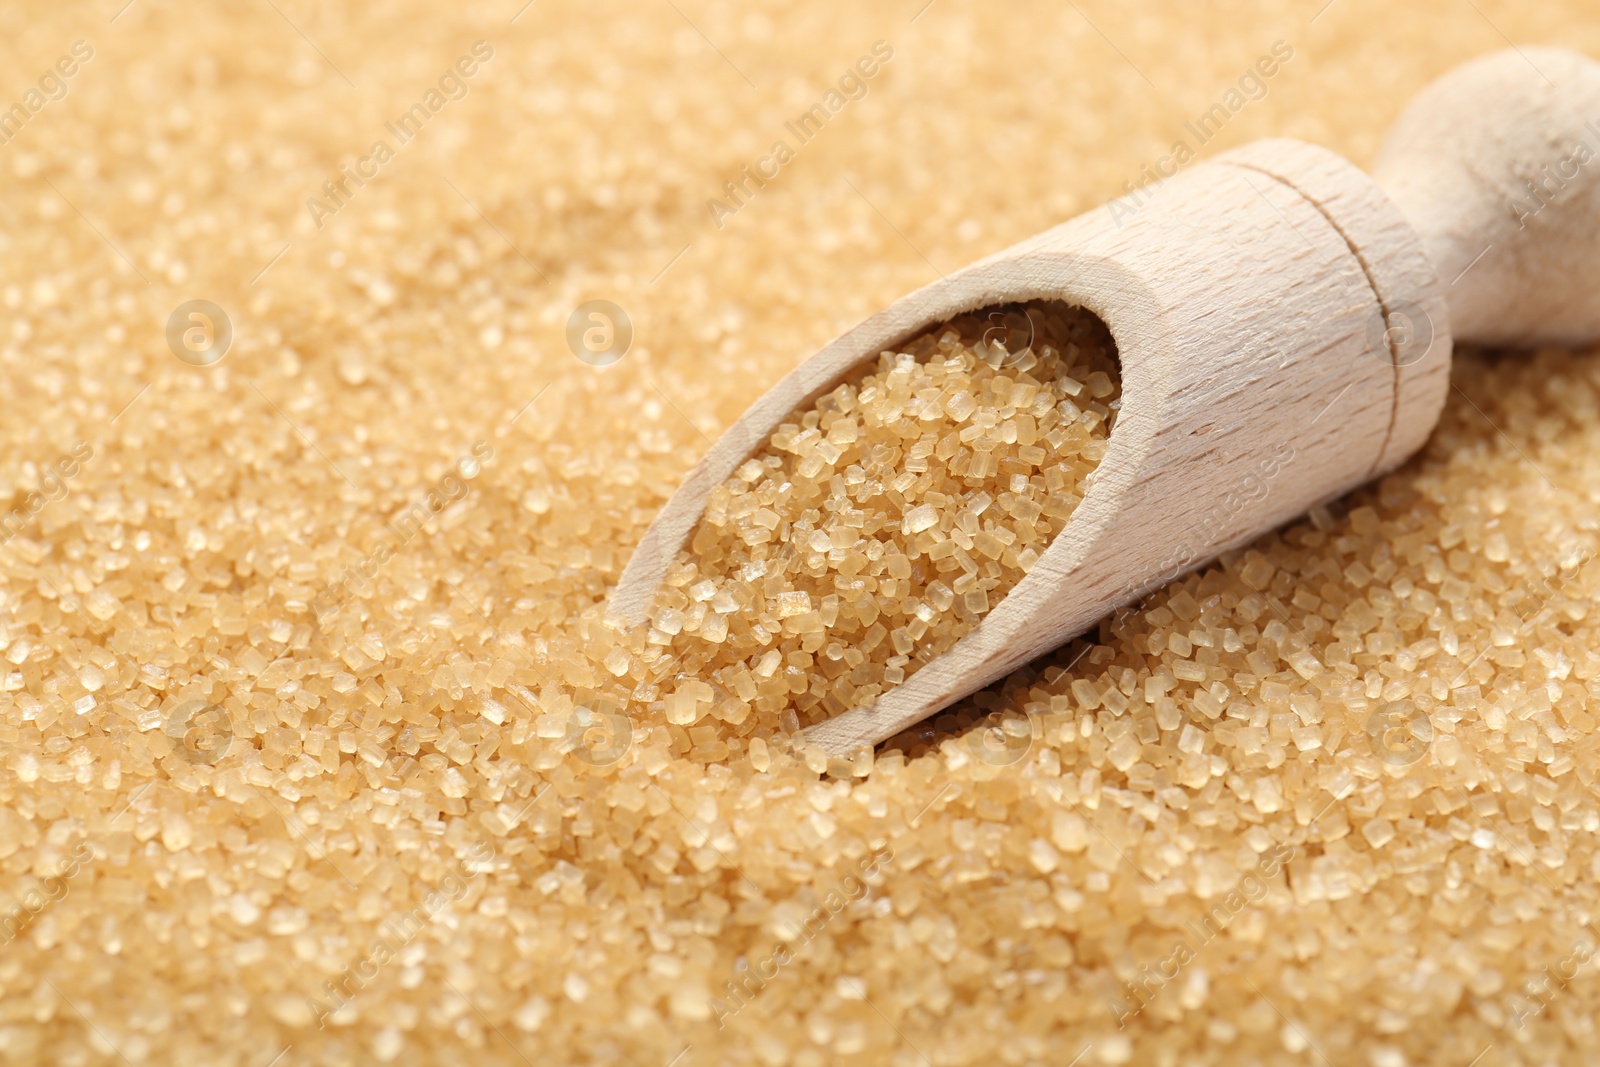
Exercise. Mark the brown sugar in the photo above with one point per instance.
(876, 528)
(1332, 800)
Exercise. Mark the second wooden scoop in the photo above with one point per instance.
(1284, 326)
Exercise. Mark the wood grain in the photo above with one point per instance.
(1256, 379)
(1484, 163)
(1254, 387)
(1283, 333)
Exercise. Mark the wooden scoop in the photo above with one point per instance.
(1284, 325)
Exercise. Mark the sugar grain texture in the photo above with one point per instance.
(878, 527)
(1331, 800)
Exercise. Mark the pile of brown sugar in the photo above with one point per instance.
(1332, 800)
(875, 529)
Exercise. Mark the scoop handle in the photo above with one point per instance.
(1497, 166)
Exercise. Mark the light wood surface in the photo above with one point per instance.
(1485, 164)
(1252, 390)
(1283, 335)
